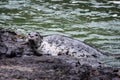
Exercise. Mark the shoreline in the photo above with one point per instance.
(19, 62)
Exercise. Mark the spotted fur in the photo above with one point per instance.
(56, 44)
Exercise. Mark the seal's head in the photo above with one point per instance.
(35, 38)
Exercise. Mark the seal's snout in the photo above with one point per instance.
(31, 36)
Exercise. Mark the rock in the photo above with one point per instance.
(11, 45)
(52, 68)
(46, 67)
(3, 49)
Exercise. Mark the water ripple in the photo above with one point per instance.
(95, 22)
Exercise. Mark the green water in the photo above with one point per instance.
(95, 22)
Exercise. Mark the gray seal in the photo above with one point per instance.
(56, 44)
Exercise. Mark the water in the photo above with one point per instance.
(95, 22)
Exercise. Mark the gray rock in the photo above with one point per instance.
(11, 45)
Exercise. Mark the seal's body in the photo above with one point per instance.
(56, 44)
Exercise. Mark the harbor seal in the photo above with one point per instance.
(34, 40)
(56, 44)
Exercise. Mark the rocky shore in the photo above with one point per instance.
(18, 62)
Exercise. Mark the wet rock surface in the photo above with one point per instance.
(18, 62)
(52, 68)
(12, 45)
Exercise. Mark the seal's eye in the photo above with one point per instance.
(36, 34)
(29, 34)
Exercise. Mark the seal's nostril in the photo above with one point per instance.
(31, 36)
